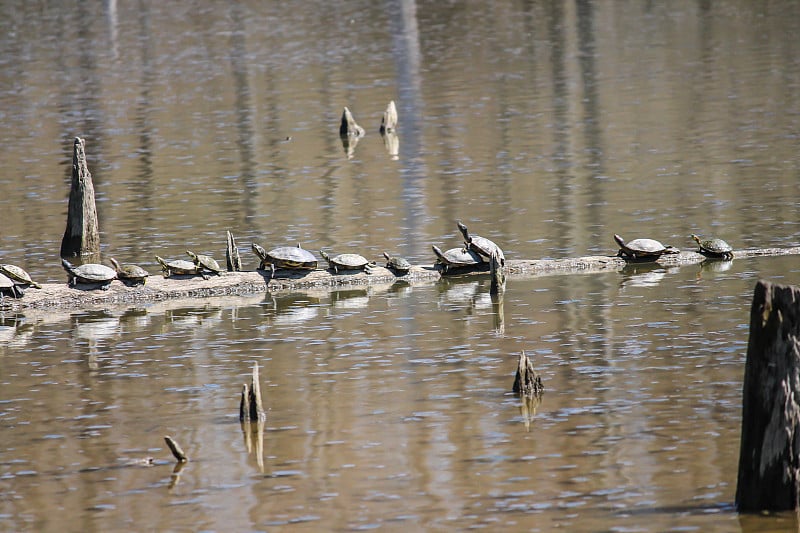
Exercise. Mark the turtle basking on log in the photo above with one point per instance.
(130, 274)
(89, 274)
(347, 262)
(714, 248)
(285, 257)
(642, 249)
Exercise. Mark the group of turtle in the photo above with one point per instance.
(651, 249)
(475, 254)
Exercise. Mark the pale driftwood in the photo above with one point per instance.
(82, 235)
(157, 288)
(389, 120)
(251, 409)
(176, 450)
(769, 456)
(348, 126)
(232, 258)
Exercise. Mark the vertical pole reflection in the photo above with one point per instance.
(406, 51)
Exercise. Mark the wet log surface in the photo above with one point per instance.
(157, 288)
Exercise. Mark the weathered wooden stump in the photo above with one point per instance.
(497, 285)
(348, 126)
(389, 120)
(250, 407)
(769, 456)
(232, 259)
(82, 236)
(527, 380)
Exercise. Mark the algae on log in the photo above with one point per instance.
(82, 236)
(769, 456)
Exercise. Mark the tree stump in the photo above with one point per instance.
(348, 126)
(82, 236)
(389, 120)
(250, 407)
(769, 456)
(527, 380)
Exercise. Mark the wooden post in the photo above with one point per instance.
(497, 285)
(348, 126)
(389, 120)
(82, 236)
(234, 262)
(250, 407)
(769, 455)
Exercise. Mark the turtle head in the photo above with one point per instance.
(464, 231)
(619, 240)
(325, 256)
(696, 238)
(259, 251)
(387, 256)
(114, 263)
(192, 255)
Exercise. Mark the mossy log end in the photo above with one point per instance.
(157, 288)
(769, 475)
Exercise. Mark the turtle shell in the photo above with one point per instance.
(205, 261)
(396, 263)
(641, 248)
(456, 258)
(131, 273)
(345, 261)
(290, 257)
(18, 275)
(177, 267)
(714, 247)
(89, 273)
(481, 245)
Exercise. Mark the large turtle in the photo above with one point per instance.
(18, 275)
(205, 263)
(89, 274)
(398, 265)
(347, 262)
(481, 245)
(130, 274)
(456, 258)
(8, 285)
(714, 247)
(179, 267)
(286, 257)
(647, 249)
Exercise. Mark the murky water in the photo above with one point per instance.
(547, 126)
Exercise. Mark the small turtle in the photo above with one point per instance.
(481, 245)
(18, 275)
(130, 274)
(398, 265)
(179, 267)
(456, 258)
(286, 257)
(89, 273)
(347, 262)
(205, 263)
(648, 249)
(8, 285)
(714, 248)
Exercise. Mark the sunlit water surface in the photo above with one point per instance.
(547, 126)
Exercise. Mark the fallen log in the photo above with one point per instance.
(157, 288)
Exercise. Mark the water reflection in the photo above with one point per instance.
(643, 275)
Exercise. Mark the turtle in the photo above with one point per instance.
(89, 273)
(714, 247)
(456, 258)
(179, 267)
(287, 257)
(648, 249)
(18, 275)
(9, 285)
(130, 274)
(347, 262)
(481, 245)
(398, 265)
(205, 263)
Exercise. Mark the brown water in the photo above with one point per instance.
(547, 126)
